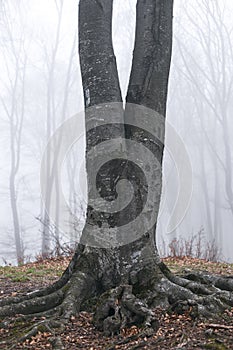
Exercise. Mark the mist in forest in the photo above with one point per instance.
(40, 88)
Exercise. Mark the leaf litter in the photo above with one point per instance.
(175, 331)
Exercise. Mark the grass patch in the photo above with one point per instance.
(48, 269)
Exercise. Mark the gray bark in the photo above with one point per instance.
(97, 58)
(152, 53)
(148, 87)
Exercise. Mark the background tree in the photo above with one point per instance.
(13, 102)
(203, 88)
(50, 230)
(35, 43)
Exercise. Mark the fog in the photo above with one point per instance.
(40, 88)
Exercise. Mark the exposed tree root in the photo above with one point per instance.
(121, 300)
(50, 289)
(34, 305)
(119, 308)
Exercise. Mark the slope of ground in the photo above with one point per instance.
(175, 331)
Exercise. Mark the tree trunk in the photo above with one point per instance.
(136, 263)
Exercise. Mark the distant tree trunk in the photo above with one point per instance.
(217, 100)
(47, 226)
(16, 123)
(15, 114)
(15, 216)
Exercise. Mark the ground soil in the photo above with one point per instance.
(175, 331)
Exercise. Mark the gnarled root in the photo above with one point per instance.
(122, 304)
(204, 293)
(49, 312)
(119, 308)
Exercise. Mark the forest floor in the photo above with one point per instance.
(175, 331)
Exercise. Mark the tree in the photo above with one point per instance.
(125, 281)
(14, 60)
(208, 73)
(51, 178)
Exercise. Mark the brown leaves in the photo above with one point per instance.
(175, 331)
(180, 263)
(36, 342)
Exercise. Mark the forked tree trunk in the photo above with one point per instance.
(147, 87)
(133, 261)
